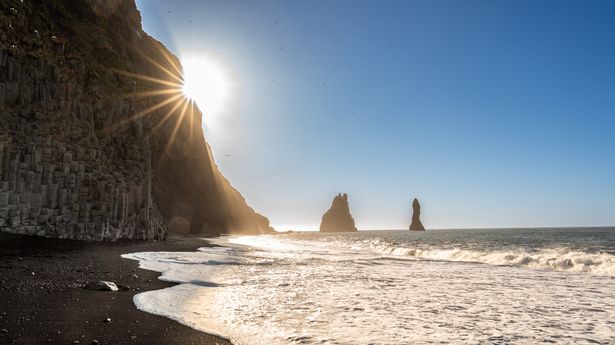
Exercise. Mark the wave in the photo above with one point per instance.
(558, 259)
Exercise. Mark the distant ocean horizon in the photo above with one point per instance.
(289, 229)
(475, 286)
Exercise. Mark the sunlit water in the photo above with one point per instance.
(395, 287)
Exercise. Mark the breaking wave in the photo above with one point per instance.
(393, 287)
(558, 259)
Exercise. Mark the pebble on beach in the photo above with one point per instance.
(102, 286)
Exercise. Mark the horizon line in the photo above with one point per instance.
(466, 228)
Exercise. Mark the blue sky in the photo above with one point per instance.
(492, 113)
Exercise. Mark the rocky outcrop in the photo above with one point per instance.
(96, 140)
(416, 224)
(338, 217)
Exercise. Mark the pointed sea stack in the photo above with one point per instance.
(416, 224)
(338, 218)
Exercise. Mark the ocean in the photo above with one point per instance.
(475, 286)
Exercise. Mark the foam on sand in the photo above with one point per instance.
(371, 289)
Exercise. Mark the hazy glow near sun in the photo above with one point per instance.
(205, 83)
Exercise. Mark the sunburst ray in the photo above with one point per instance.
(140, 94)
(171, 61)
(191, 129)
(178, 123)
(164, 69)
(143, 113)
(167, 116)
(150, 79)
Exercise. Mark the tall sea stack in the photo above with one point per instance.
(338, 217)
(97, 142)
(416, 224)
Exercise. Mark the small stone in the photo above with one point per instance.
(102, 286)
(107, 320)
(134, 276)
(4, 330)
(76, 342)
(94, 342)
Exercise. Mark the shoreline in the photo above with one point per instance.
(42, 299)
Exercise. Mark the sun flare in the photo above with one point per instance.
(205, 83)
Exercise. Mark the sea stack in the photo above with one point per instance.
(416, 224)
(338, 217)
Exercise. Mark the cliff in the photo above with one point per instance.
(96, 140)
(338, 217)
(416, 224)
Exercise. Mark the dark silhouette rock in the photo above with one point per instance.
(338, 217)
(416, 224)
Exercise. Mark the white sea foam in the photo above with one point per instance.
(559, 259)
(335, 290)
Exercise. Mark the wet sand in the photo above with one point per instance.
(42, 299)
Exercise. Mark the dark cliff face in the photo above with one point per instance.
(416, 224)
(338, 217)
(90, 148)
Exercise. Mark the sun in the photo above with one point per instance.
(175, 90)
(206, 83)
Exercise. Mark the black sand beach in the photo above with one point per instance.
(42, 299)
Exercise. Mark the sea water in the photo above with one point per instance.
(505, 286)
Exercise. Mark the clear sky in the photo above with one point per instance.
(492, 113)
